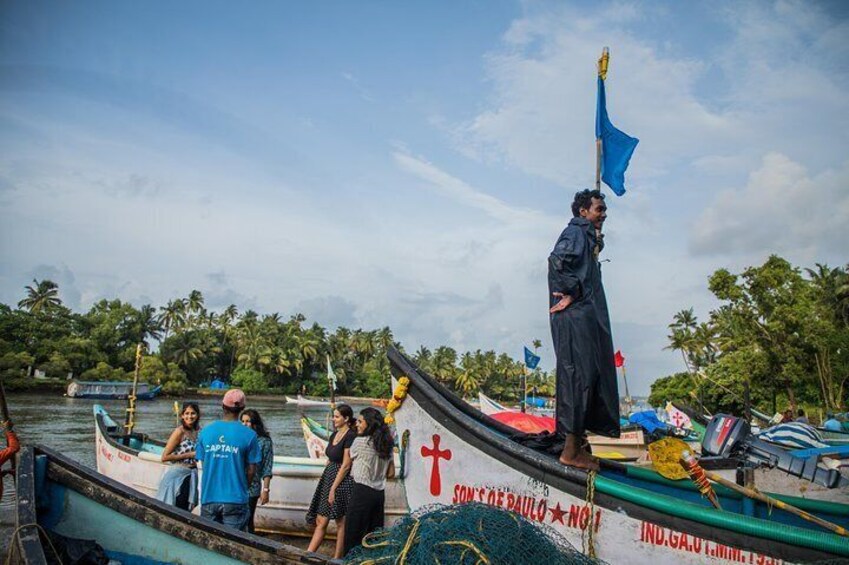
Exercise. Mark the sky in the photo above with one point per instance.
(411, 164)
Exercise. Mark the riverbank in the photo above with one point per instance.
(60, 386)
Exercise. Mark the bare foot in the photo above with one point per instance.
(582, 460)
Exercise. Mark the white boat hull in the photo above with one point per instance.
(292, 486)
(301, 401)
(448, 464)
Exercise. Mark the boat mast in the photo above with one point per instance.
(602, 72)
(130, 422)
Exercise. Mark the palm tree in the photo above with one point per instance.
(308, 344)
(149, 324)
(385, 339)
(271, 318)
(185, 350)
(444, 364)
(172, 316)
(833, 285)
(469, 377)
(43, 297)
(842, 294)
(683, 327)
(253, 349)
(194, 303)
(422, 357)
(229, 315)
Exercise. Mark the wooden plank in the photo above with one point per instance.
(26, 548)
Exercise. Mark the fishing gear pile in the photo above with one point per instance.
(466, 534)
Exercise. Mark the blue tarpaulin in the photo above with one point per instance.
(648, 420)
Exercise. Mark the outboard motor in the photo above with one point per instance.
(730, 437)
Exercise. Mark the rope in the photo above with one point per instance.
(402, 557)
(469, 547)
(588, 541)
(405, 442)
(16, 533)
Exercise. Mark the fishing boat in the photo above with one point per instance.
(834, 437)
(315, 436)
(622, 514)
(489, 406)
(58, 496)
(114, 390)
(135, 461)
(304, 401)
(631, 443)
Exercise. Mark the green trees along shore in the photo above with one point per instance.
(780, 330)
(189, 345)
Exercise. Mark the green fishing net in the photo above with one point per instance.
(465, 534)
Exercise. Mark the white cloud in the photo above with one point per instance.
(782, 209)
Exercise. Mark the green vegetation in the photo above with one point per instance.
(195, 345)
(781, 331)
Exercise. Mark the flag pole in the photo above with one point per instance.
(627, 394)
(524, 387)
(602, 73)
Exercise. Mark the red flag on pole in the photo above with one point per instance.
(618, 359)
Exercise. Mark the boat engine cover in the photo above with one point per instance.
(723, 435)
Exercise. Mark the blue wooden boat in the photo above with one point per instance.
(111, 390)
(56, 495)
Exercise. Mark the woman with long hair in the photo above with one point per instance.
(260, 486)
(330, 501)
(371, 465)
(174, 488)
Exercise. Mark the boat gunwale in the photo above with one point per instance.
(443, 407)
(27, 542)
(112, 438)
(296, 466)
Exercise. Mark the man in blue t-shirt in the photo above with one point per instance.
(228, 453)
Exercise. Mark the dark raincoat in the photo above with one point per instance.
(587, 390)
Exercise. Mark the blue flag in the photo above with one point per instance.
(531, 360)
(616, 146)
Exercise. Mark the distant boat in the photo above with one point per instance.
(139, 466)
(630, 444)
(60, 496)
(489, 406)
(111, 390)
(304, 401)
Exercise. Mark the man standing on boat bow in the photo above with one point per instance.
(587, 390)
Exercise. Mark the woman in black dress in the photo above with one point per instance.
(330, 501)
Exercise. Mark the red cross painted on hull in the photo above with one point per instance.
(437, 454)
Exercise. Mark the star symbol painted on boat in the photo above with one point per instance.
(557, 514)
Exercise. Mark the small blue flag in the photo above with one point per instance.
(531, 360)
(616, 146)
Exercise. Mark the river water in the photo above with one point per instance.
(67, 424)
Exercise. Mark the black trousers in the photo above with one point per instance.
(252, 501)
(364, 515)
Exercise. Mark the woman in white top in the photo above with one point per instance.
(371, 465)
(180, 450)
